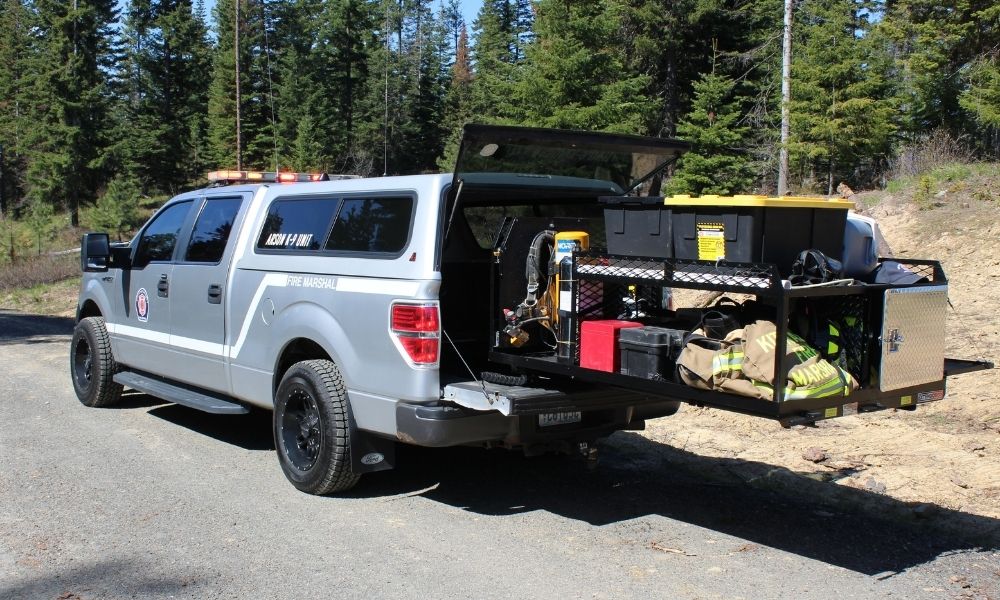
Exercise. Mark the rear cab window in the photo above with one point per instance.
(376, 225)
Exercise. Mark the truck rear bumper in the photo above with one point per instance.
(438, 426)
(445, 425)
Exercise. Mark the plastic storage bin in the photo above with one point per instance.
(638, 226)
(860, 255)
(599, 344)
(756, 228)
(650, 352)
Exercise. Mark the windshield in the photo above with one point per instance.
(611, 161)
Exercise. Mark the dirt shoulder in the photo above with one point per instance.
(947, 453)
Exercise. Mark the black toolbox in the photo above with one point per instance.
(638, 226)
(650, 352)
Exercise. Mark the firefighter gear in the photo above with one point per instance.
(744, 364)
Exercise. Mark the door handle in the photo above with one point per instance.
(162, 286)
(215, 294)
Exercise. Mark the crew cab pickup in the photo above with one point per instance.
(366, 312)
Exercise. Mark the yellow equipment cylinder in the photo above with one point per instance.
(566, 243)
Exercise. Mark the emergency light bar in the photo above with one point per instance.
(230, 177)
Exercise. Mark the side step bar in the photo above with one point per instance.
(201, 400)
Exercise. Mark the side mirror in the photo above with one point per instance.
(95, 250)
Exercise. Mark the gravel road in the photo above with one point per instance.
(150, 500)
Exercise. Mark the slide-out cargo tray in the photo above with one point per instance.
(788, 412)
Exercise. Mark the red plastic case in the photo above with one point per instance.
(599, 344)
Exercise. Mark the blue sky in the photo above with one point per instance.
(469, 9)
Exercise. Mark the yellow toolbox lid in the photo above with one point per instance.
(758, 201)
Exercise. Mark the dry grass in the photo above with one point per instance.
(38, 270)
(938, 150)
(58, 299)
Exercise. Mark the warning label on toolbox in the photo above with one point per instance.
(711, 241)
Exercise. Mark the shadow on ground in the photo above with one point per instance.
(20, 328)
(104, 579)
(251, 431)
(636, 477)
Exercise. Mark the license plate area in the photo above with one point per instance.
(562, 418)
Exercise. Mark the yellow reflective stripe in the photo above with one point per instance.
(730, 360)
(830, 388)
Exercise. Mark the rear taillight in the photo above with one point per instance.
(417, 328)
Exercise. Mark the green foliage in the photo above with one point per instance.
(982, 97)
(937, 47)
(842, 107)
(117, 210)
(922, 195)
(67, 101)
(161, 136)
(40, 221)
(99, 91)
(574, 77)
(716, 163)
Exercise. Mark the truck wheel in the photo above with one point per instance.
(92, 366)
(311, 431)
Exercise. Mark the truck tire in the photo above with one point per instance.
(311, 429)
(92, 366)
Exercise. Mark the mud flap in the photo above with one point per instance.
(369, 452)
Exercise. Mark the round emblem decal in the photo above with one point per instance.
(372, 458)
(142, 305)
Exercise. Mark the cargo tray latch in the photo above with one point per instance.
(894, 339)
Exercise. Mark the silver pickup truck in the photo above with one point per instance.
(349, 306)
(446, 309)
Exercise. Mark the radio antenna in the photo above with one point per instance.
(385, 123)
(239, 145)
(270, 85)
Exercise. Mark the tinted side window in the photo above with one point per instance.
(372, 225)
(211, 230)
(160, 237)
(299, 224)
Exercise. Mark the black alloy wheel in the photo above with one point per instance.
(312, 428)
(301, 435)
(92, 365)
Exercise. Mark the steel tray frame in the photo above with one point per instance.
(761, 280)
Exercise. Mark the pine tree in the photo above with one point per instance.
(256, 68)
(15, 44)
(494, 61)
(458, 101)
(842, 109)
(166, 68)
(343, 69)
(716, 163)
(934, 44)
(574, 76)
(69, 99)
(982, 97)
(117, 209)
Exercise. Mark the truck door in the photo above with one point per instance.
(198, 291)
(142, 331)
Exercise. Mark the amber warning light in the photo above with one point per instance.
(231, 177)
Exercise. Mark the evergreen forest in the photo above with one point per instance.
(121, 99)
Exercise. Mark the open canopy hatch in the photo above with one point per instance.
(613, 163)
